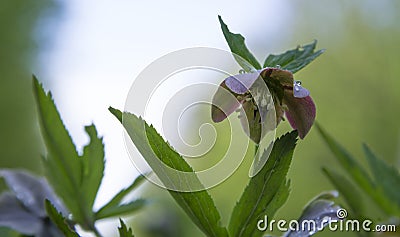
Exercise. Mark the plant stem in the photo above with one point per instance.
(256, 149)
(96, 232)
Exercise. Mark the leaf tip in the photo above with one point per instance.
(220, 19)
(116, 112)
(37, 86)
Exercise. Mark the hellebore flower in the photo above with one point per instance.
(23, 207)
(289, 98)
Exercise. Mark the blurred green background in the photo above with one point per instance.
(355, 85)
(20, 46)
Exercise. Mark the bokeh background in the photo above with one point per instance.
(89, 52)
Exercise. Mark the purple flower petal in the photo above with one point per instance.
(283, 77)
(241, 83)
(322, 210)
(301, 112)
(223, 104)
(31, 191)
(15, 216)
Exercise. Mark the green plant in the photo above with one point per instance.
(269, 189)
(55, 205)
(382, 186)
(74, 178)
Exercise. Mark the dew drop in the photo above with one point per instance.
(241, 71)
(297, 85)
(299, 91)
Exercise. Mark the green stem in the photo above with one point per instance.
(256, 148)
(96, 232)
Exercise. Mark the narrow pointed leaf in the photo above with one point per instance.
(124, 231)
(62, 166)
(60, 221)
(359, 175)
(386, 177)
(117, 113)
(93, 166)
(238, 48)
(116, 200)
(266, 192)
(348, 190)
(199, 205)
(294, 60)
(120, 210)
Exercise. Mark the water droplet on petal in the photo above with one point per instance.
(299, 91)
(297, 86)
(241, 71)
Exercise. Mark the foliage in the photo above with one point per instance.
(293, 60)
(264, 195)
(124, 231)
(381, 187)
(59, 220)
(74, 178)
(198, 205)
(266, 192)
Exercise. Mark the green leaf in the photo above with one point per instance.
(117, 113)
(359, 175)
(76, 179)
(62, 166)
(238, 48)
(266, 192)
(294, 60)
(349, 191)
(93, 167)
(124, 231)
(116, 200)
(60, 221)
(199, 205)
(122, 209)
(386, 177)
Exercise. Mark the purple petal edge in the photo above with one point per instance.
(241, 83)
(301, 114)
